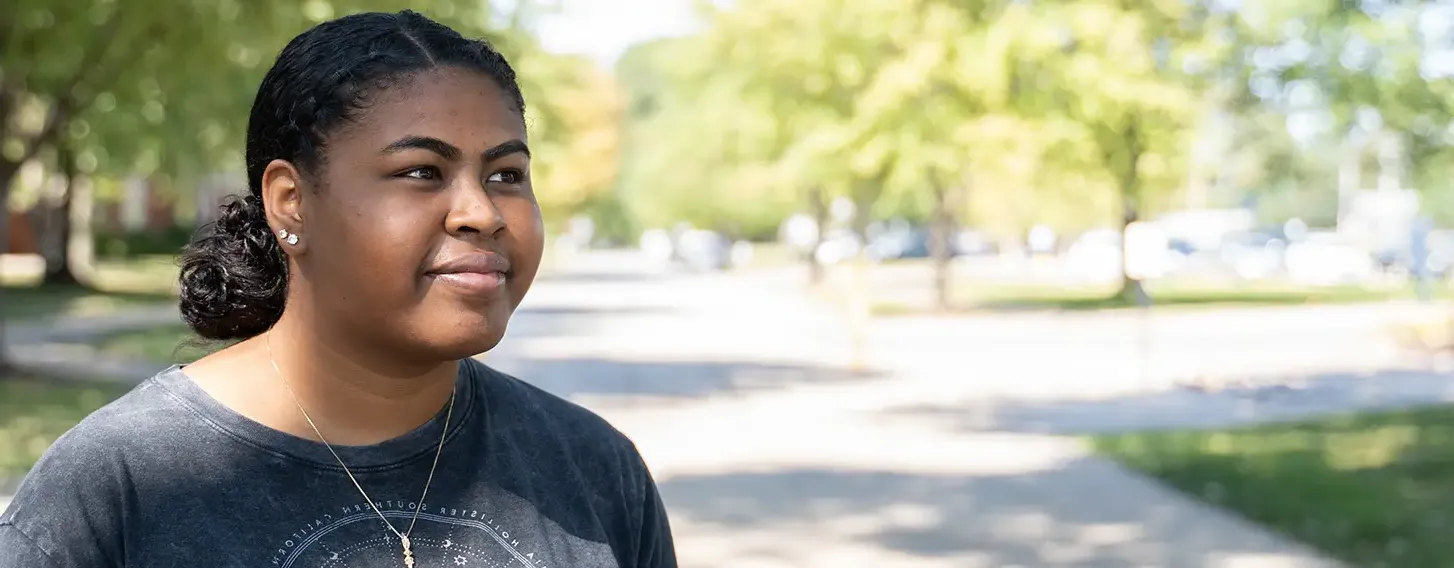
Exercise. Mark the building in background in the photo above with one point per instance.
(22, 234)
(212, 191)
(145, 206)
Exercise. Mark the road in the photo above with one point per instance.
(770, 453)
(951, 449)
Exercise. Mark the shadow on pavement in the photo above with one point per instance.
(1373, 486)
(595, 277)
(557, 311)
(1286, 398)
(910, 519)
(562, 320)
(577, 377)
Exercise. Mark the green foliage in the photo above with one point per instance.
(167, 242)
(132, 100)
(1075, 113)
(574, 113)
(1044, 112)
(1369, 489)
(162, 89)
(34, 412)
(692, 145)
(1354, 68)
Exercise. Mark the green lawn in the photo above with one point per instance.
(971, 297)
(166, 344)
(1373, 489)
(117, 285)
(26, 302)
(34, 412)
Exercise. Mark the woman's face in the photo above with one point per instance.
(425, 233)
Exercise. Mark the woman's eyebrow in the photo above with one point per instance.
(444, 149)
(450, 152)
(512, 147)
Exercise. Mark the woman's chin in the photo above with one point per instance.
(464, 340)
(463, 346)
(451, 331)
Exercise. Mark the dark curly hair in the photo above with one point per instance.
(234, 275)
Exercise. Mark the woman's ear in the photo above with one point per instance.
(282, 197)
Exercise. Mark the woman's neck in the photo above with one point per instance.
(351, 399)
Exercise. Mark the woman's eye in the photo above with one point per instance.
(507, 176)
(425, 173)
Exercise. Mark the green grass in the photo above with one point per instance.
(117, 285)
(1177, 295)
(166, 344)
(26, 302)
(1373, 489)
(34, 412)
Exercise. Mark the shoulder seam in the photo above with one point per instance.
(46, 555)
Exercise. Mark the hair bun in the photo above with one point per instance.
(234, 277)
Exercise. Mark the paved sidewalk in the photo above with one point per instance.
(769, 453)
(58, 347)
(7, 489)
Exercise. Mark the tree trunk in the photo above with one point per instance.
(860, 295)
(1131, 149)
(941, 232)
(56, 237)
(818, 205)
(1131, 291)
(7, 175)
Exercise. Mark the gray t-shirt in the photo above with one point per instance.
(167, 476)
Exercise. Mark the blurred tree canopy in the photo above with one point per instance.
(1032, 106)
(1072, 113)
(161, 89)
(108, 80)
(995, 114)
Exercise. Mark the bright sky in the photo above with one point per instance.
(603, 29)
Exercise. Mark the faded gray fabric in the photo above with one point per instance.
(167, 476)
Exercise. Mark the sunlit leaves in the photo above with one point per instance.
(164, 86)
(574, 116)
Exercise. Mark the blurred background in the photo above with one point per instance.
(909, 283)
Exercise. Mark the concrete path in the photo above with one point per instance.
(770, 452)
(59, 347)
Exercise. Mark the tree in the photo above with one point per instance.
(1358, 69)
(1123, 73)
(68, 67)
(934, 115)
(574, 114)
(748, 121)
(154, 88)
(695, 149)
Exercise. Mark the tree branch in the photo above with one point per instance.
(114, 71)
(59, 114)
(8, 98)
(68, 100)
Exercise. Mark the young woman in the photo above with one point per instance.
(389, 232)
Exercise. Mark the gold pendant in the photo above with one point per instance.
(408, 554)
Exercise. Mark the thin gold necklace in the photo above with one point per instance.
(403, 536)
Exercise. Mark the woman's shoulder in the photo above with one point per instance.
(503, 392)
(87, 473)
(523, 409)
(145, 416)
(574, 467)
(134, 418)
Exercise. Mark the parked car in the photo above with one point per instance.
(704, 251)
